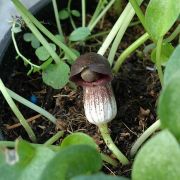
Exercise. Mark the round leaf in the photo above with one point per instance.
(166, 51)
(78, 138)
(56, 75)
(42, 53)
(79, 34)
(75, 13)
(158, 159)
(35, 43)
(99, 176)
(72, 161)
(168, 107)
(63, 14)
(173, 65)
(160, 16)
(27, 37)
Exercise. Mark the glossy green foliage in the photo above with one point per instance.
(29, 37)
(173, 65)
(168, 106)
(158, 159)
(56, 75)
(160, 16)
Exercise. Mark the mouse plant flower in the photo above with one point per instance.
(92, 71)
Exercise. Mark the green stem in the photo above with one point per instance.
(32, 106)
(115, 29)
(91, 27)
(97, 35)
(83, 4)
(109, 142)
(138, 11)
(70, 16)
(173, 35)
(57, 17)
(119, 36)
(158, 59)
(129, 50)
(154, 127)
(17, 112)
(66, 49)
(54, 138)
(109, 160)
(18, 52)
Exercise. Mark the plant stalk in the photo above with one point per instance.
(109, 142)
(32, 106)
(17, 112)
(54, 138)
(148, 132)
(158, 60)
(129, 50)
(57, 17)
(109, 160)
(83, 4)
(173, 35)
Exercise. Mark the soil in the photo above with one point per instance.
(136, 88)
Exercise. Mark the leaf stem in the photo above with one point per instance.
(91, 27)
(148, 132)
(173, 35)
(158, 59)
(109, 142)
(129, 50)
(54, 138)
(70, 16)
(32, 106)
(17, 112)
(83, 5)
(58, 22)
(66, 49)
(18, 52)
(109, 160)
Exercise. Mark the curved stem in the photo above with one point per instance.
(57, 17)
(32, 106)
(101, 15)
(119, 36)
(129, 50)
(148, 132)
(173, 35)
(70, 16)
(109, 142)
(54, 138)
(18, 52)
(158, 60)
(83, 5)
(17, 112)
(109, 160)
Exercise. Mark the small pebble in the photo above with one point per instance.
(33, 99)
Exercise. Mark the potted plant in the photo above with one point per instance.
(60, 61)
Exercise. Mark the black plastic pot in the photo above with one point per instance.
(7, 10)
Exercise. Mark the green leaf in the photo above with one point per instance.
(35, 43)
(16, 29)
(46, 63)
(72, 161)
(42, 53)
(78, 138)
(99, 176)
(166, 51)
(173, 65)
(158, 159)
(63, 14)
(160, 16)
(56, 75)
(30, 162)
(68, 58)
(75, 13)
(168, 106)
(27, 37)
(79, 34)
(60, 38)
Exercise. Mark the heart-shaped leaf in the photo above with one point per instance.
(158, 159)
(72, 161)
(63, 14)
(168, 106)
(160, 16)
(173, 65)
(78, 138)
(56, 75)
(75, 13)
(79, 34)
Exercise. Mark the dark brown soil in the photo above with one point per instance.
(136, 89)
